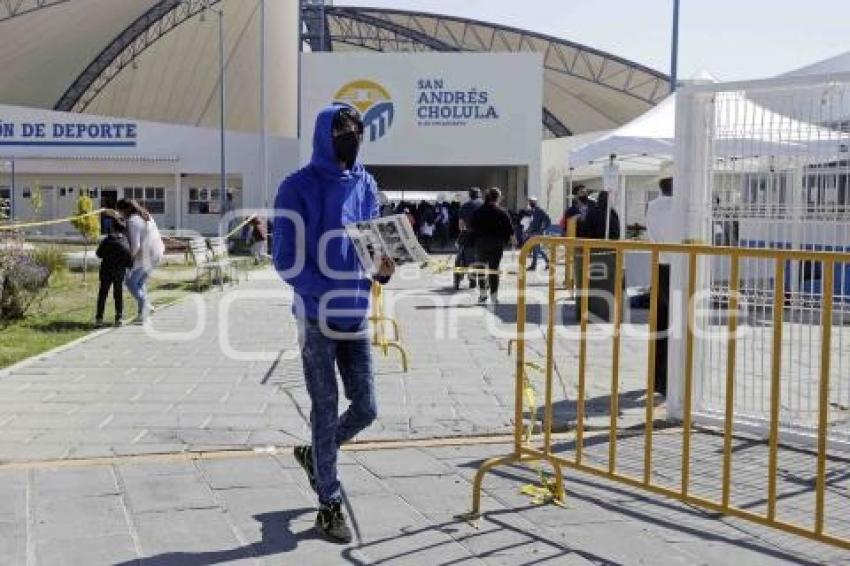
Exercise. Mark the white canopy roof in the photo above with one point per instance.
(650, 134)
(837, 64)
(743, 129)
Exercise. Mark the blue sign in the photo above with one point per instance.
(439, 105)
(73, 134)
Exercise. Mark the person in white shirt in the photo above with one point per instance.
(146, 249)
(661, 228)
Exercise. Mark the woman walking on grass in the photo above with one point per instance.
(146, 249)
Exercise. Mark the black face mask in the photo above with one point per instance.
(347, 146)
(582, 199)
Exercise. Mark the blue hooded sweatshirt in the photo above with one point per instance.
(326, 198)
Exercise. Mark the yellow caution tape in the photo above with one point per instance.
(546, 492)
(441, 266)
(50, 222)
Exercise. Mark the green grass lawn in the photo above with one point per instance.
(66, 311)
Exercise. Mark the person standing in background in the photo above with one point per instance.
(466, 246)
(146, 249)
(579, 209)
(596, 223)
(115, 259)
(540, 221)
(441, 232)
(661, 229)
(259, 237)
(492, 231)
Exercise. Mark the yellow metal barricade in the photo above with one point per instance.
(540, 448)
(379, 319)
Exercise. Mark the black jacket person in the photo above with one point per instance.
(115, 258)
(492, 229)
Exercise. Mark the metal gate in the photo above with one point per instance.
(766, 165)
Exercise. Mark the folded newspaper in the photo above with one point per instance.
(390, 236)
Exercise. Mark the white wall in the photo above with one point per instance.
(510, 84)
(162, 150)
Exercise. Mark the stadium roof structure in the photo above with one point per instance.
(584, 89)
(144, 60)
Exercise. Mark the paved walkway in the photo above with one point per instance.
(221, 372)
(401, 503)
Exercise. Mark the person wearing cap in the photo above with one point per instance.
(313, 254)
(540, 221)
(580, 209)
(661, 228)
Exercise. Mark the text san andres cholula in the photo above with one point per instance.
(438, 105)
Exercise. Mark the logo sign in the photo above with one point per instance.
(373, 102)
(104, 134)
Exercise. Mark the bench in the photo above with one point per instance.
(218, 248)
(205, 263)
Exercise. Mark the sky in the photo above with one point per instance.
(732, 39)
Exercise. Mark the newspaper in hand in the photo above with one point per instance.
(390, 236)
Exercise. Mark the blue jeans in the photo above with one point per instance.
(136, 284)
(353, 356)
(538, 251)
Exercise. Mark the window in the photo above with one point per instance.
(27, 192)
(5, 202)
(92, 192)
(152, 198)
(204, 200)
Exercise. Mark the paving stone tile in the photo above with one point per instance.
(70, 519)
(155, 494)
(73, 482)
(111, 549)
(401, 463)
(244, 472)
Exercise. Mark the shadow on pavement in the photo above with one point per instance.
(448, 528)
(277, 538)
(659, 512)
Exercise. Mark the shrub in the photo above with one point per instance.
(22, 281)
(87, 226)
(51, 257)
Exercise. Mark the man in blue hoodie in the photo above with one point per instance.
(313, 255)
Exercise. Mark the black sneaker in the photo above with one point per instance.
(304, 457)
(330, 522)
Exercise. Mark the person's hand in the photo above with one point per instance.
(386, 267)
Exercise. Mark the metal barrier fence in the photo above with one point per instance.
(379, 320)
(765, 164)
(698, 258)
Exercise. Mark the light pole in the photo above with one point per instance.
(674, 49)
(222, 123)
(221, 96)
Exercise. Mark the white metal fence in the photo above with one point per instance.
(767, 164)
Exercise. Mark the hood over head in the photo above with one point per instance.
(324, 156)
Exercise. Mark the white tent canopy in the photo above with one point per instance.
(650, 134)
(837, 64)
(645, 141)
(743, 129)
